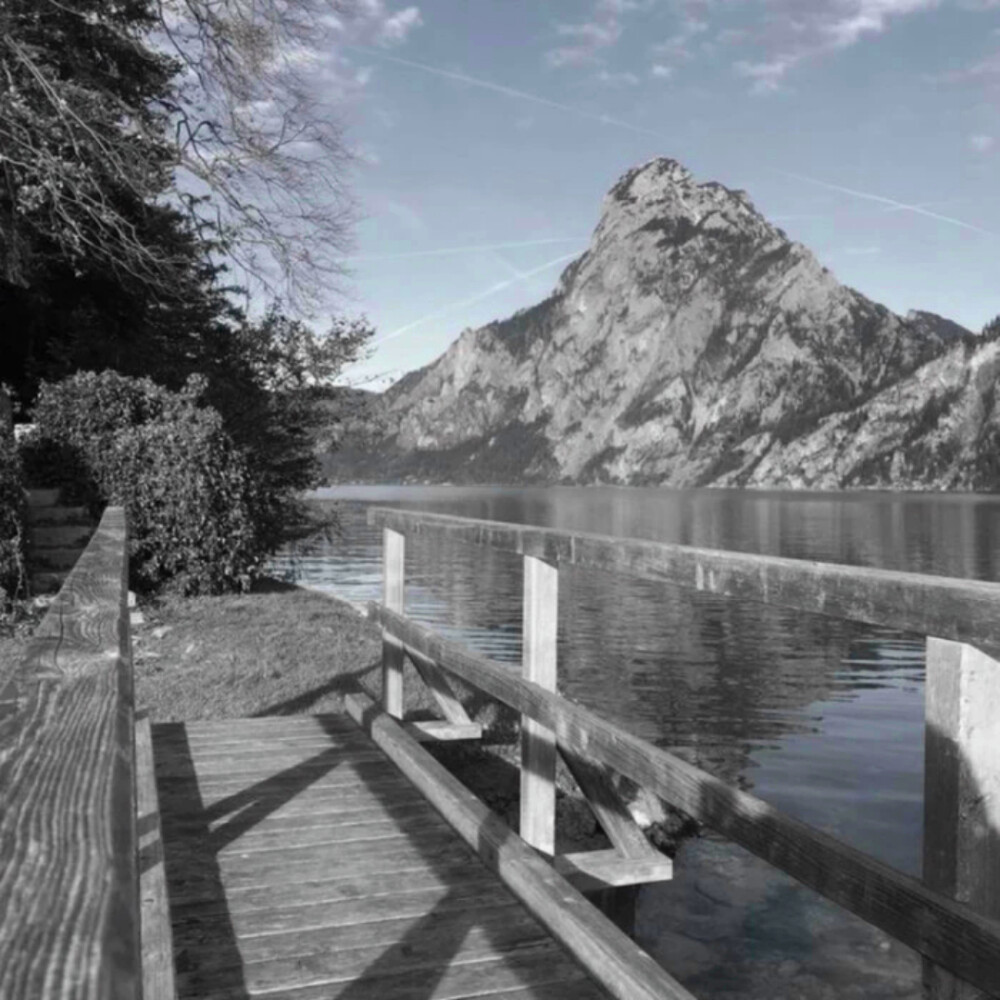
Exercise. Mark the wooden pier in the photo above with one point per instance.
(301, 863)
(298, 858)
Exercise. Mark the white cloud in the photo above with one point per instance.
(616, 79)
(587, 39)
(395, 28)
(789, 33)
(678, 46)
(982, 143)
(370, 22)
(661, 72)
(984, 70)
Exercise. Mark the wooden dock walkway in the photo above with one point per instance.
(300, 863)
(299, 858)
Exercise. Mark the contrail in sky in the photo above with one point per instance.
(619, 123)
(444, 251)
(509, 92)
(900, 205)
(499, 286)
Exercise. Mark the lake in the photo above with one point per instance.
(820, 717)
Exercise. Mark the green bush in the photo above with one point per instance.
(13, 515)
(168, 460)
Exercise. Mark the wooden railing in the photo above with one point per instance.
(69, 878)
(950, 916)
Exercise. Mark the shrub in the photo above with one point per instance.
(168, 460)
(13, 515)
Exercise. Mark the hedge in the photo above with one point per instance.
(168, 460)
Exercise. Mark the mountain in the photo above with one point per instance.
(693, 343)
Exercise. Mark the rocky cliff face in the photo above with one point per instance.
(693, 343)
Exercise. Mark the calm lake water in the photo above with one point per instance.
(820, 717)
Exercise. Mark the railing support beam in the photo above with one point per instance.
(538, 744)
(961, 790)
(393, 576)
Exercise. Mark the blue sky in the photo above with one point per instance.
(488, 131)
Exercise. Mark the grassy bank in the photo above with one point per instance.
(278, 650)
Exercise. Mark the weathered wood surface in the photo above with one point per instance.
(440, 687)
(961, 789)
(591, 870)
(617, 963)
(963, 610)
(155, 936)
(538, 744)
(69, 914)
(393, 580)
(318, 870)
(947, 932)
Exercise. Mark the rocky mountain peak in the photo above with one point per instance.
(690, 341)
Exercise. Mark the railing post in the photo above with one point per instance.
(961, 790)
(393, 555)
(538, 744)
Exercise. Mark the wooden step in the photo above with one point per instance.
(43, 497)
(58, 515)
(60, 536)
(56, 558)
(47, 581)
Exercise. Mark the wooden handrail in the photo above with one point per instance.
(962, 610)
(69, 911)
(949, 933)
(624, 970)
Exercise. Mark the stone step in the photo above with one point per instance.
(60, 536)
(47, 581)
(64, 558)
(43, 498)
(58, 515)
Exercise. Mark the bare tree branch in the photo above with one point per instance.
(251, 133)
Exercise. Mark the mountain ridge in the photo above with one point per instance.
(692, 343)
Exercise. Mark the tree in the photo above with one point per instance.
(84, 148)
(104, 266)
(250, 132)
(96, 270)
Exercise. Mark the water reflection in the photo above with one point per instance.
(821, 717)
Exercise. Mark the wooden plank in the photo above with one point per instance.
(590, 870)
(440, 687)
(223, 798)
(393, 579)
(437, 730)
(263, 765)
(538, 744)
(485, 977)
(614, 961)
(69, 913)
(190, 881)
(345, 952)
(613, 815)
(255, 842)
(345, 885)
(961, 790)
(327, 814)
(368, 773)
(277, 726)
(283, 925)
(947, 932)
(963, 610)
(155, 935)
(188, 865)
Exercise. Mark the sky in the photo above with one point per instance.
(487, 133)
